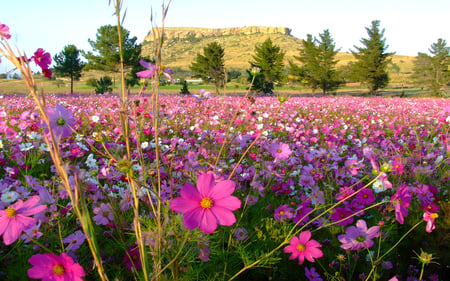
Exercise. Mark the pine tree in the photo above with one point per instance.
(210, 66)
(268, 59)
(106, 48)
(68, 64)
(318, 69)
(372, 60)
(433, 71)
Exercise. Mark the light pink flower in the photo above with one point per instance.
(16, 218)
(429, 218)
(4, 31)
(61, 121)
(51, 267)
(207, 205)
(358, 237)
(302, 247)
(280, 151)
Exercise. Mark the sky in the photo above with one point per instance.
(411, 26)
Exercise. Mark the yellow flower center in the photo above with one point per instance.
(279, 150)
(434, 216)
(301, 247)
(58, 269)
(281, 212)
(206, 203)
(10, 212)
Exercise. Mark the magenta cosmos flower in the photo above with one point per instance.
(51, 267)
(358, 237)
(207, 205)
(280, 151)
(61, 121)
(429, 218)
(43, 60)
(4, 31)
(16, 218)
(151, 71)
(302, 247)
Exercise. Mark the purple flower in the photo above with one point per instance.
(312, 275)
(74, 240)
(61, 121)
(202, 94)
(103, 214)
(283, 213)
(365, 196)
(341, 216)
(358, 237)
(240, 234)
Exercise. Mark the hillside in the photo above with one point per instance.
(182, 44)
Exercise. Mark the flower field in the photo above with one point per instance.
(326, 188)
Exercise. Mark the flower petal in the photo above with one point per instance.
(204, 184)
(231, 203)
(182, 205)
(189, 192)
(223, 216)
(208, 223)
(192, 218)
(222, 189)
(304, 237)
(144, 74)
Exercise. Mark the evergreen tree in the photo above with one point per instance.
(433, 71)
(318, 69)
(106, 48)
(68, 64)
(210, 66)
(268, 59)
(372, 60)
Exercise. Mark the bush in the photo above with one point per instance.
(103, 85)
(92, 82)
(184, 90)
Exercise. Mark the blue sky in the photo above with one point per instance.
(411, 26)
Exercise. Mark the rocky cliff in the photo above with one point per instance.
(185, 32)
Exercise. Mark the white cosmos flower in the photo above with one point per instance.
(95, 118)
(9, 196)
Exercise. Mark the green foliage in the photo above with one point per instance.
(433, 71)
(210, 66)
(91, 82)
(233, 74)
(184, 89)
(106, 48)
(68, 64)
(269, 59)
(372, 60)
(318, 69)
(103, 85)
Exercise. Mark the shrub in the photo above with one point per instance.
(103, 85)
(92, 82)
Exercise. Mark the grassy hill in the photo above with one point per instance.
(239, 49)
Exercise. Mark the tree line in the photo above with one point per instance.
(314, 67)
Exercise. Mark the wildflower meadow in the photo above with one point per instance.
(204, 187)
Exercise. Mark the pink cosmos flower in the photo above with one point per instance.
(51, 267)
(61, 121)
(358, 237)
(207, 205)
(4, 31)
(429, 218)
(302, 247)
(151, 71)
(280, 151)
(15, 218)
(42, 58)
(202, 94)
(401, 200)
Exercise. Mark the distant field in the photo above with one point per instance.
(12, 86)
